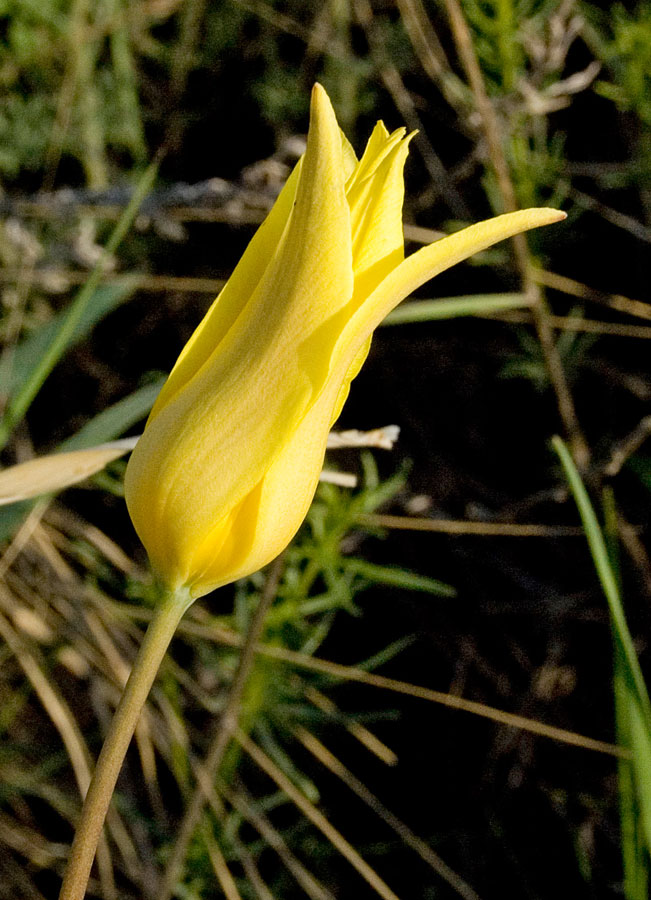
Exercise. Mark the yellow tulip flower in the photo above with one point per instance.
(230, 458)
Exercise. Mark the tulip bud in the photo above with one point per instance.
(229, 461)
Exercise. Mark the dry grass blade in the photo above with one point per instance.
(460, 526)
(220, 867)
(15, 874)
(576, 289)
(614, 216)
(351, 673)
(64, 722)
(394, 84)
(22, 537)
(576, 323)
(250, 811)
(29, 843)
(47, 474)
(328, 759)
(261, 890)
(431, 53)
(358, 731)
(54, 279)
(245, 856)
(626, 448)
(317, 818)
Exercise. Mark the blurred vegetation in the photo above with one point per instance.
(107, 265)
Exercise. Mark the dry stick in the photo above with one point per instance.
(226, 727)
(463, 40)
(411, 840)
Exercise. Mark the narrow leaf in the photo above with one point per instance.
(395, 577)
(454, 307)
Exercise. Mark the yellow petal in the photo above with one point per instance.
(375, 194)
(247, 398)
(425, 264)
(47, 474)
(274, 512)
(237, 291)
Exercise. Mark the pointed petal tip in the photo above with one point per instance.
(544, 215)
(319, 98)
(322, 114)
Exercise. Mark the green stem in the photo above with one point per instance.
(156, 641)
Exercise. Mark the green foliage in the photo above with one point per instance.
(623, 43)
(573, 348)
(69, 78)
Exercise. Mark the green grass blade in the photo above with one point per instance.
(61, 340)
(29, 352)
(396, 577)
(454, 307)
(114, 421)
(632, 714)
(606, 575)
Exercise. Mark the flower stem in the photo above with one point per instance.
(155, 643)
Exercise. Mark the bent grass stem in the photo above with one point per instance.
(154, 646)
